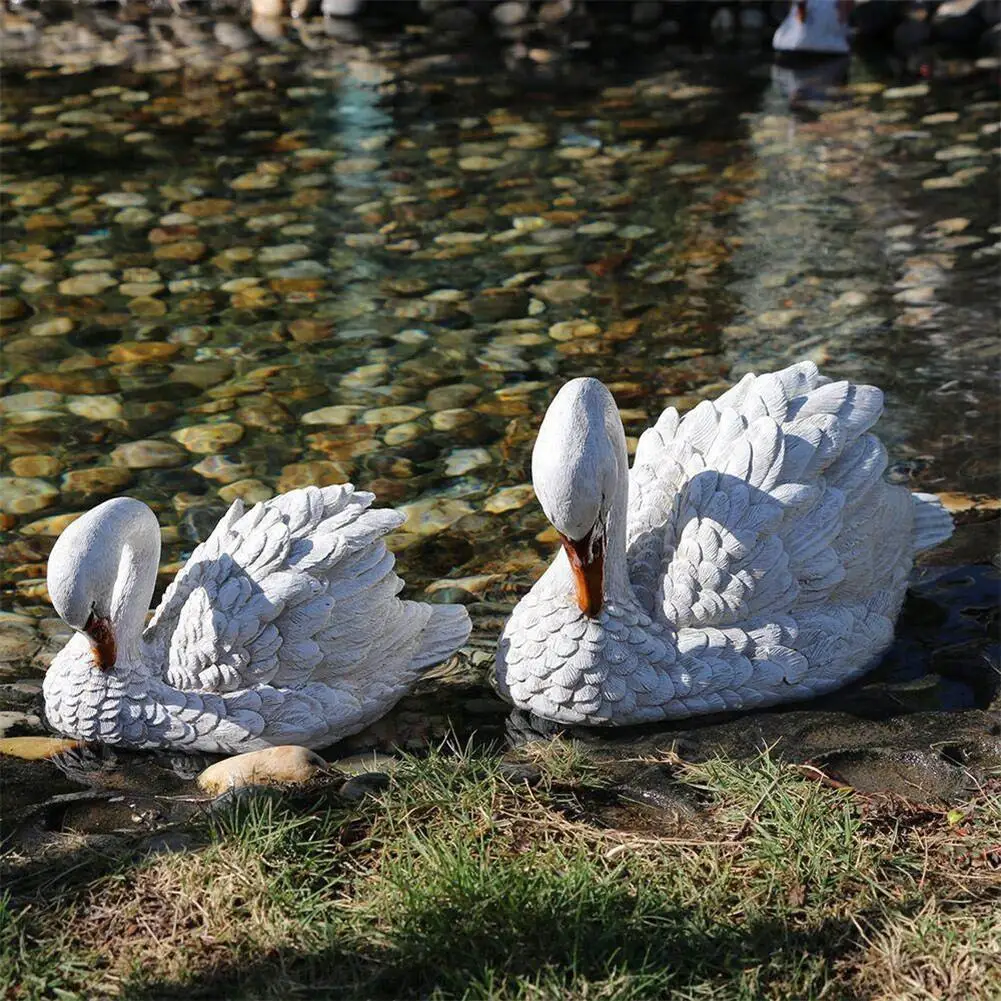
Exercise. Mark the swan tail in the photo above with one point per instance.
(447, 629)
(932, 523)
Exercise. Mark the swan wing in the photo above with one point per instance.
(762, 503)
(298, 590)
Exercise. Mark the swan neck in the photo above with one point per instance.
(616, 569)
(139, 558)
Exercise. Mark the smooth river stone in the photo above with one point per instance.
(379, 416)
(90, 283)
(318, 473)
(283, 253)
(509, 499)
(283, 765)
(450, 420)
(336, 416)
(50, 527)
(183, 250)
(148, 453)
(122, 199)
(95, 408)
(223, 470)
(143, 351)
(94, 264)
(25, 494)
(433, 515)
(36, 748)
(97, 482)
(39, 399)
(208, 439)
(452, 397)
(56, 327)
(401, 433)
(464, 460)
(250, 491)
(35, 465)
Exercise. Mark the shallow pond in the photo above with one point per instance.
(254, 266)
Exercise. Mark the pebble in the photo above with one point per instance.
(479, 163)
(250, 491)
(284, 765)
(457, 395)
(283, 253)
(56, 327)
(318, 473)
(143, 351)
(509, 499)
(433, 515)
(223, 470)
(563, 290)
(97, 482)
(464, 460)
(50, 527)
(336, 416)
(916, 90)
(34, 400)
(18, 638)
(254, 182)
(391, 415)
(209, 439)
(17, 720)
(567, 330)
(122, 199)
(35, 465)
(450, 420)
(95, 408)
(36, 748)
(25, 494)
(307, 331)
(402, 433)
(187, 251)
(89, 283)
(148, 453)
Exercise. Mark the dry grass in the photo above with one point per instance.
(456, 882)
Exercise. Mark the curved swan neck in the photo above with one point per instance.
(139, 558)
(616, 568)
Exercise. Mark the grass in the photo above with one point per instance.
(459, 883)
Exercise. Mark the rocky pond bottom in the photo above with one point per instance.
(265, 265)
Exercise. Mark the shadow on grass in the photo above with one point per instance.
(556, 949)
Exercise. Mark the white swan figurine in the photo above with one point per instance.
(814, 26)
(753, 555)
(284, 627)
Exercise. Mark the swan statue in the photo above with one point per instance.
(284, 627)
(752, 555)
(814, 26)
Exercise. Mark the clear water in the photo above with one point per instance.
(438, 223)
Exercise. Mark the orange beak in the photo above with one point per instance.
(587, 562)
(103, 637)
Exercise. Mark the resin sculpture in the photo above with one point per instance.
(753, 555)
(284, 627)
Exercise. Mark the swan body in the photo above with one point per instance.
(284, 627)
(753, 555)
(814, 26)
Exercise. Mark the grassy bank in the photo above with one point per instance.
(460, 882)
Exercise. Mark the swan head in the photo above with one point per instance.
(84, 576)
(579, 469)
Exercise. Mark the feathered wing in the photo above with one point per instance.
(761, 530)
(299, 591)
